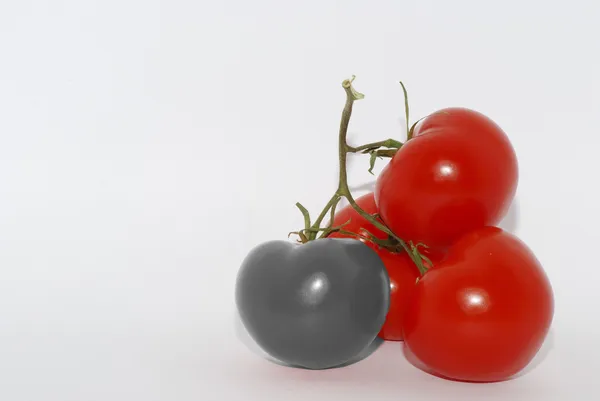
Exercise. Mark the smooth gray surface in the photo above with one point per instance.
(316, 305)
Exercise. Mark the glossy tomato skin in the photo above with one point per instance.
(401, 269)
(482, 314)
(458, 173)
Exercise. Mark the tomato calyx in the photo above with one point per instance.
(313, 230)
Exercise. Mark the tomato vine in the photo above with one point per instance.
(393, 243)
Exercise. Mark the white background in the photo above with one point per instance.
(146, 146)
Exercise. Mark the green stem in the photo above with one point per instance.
(305, 214)
(344, 190)
(388, 143)
(406, 110)
(317, 224)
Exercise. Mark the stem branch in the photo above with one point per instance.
(317, 224)
(406, 110)
(394, 243)
(344, 190)
(388, 143)
(305, 214)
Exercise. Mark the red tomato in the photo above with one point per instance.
(401, 269)
(483, 313)
(458, 173)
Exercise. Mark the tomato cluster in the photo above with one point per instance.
(483, 310)
(480, 305)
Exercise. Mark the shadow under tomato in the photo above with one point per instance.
(542, 354)
(244, 337)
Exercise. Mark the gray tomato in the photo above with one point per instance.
(315, 305)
